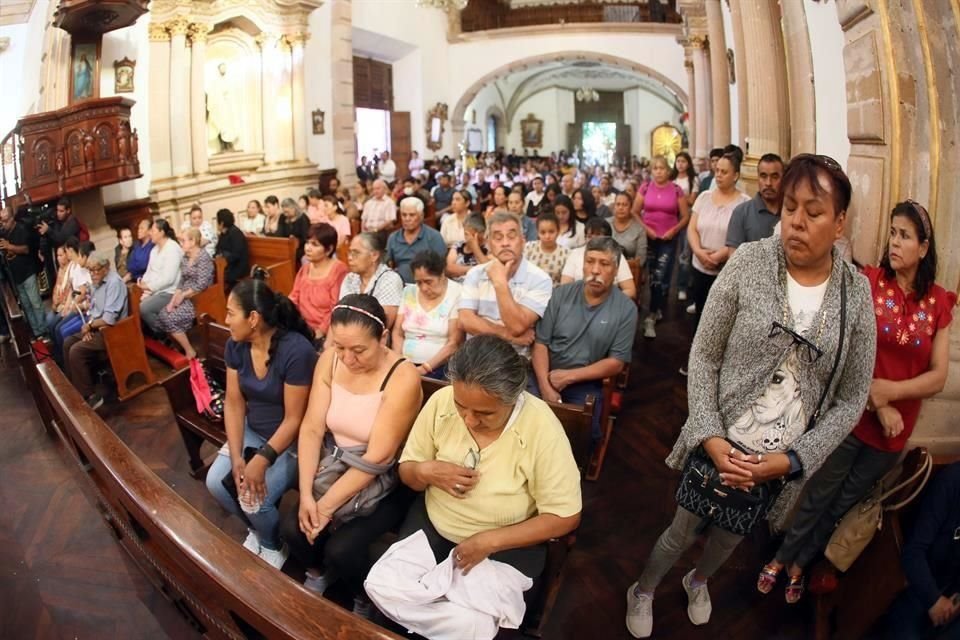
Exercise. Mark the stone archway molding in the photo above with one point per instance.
(563, 57)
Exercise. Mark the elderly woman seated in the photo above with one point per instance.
(196, 274)
(496, 468)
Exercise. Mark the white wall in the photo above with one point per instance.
(132, 42)
(555, 108)
(20, 67)
(318, 89)
(826, 45)
(644, 112)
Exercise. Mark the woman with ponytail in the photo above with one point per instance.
(270, 362)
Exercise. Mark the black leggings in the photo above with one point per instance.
(346, 550)
(527, 560)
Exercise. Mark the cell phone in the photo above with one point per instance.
(228, 482)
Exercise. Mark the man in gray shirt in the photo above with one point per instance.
(755, 219)
(586, 333)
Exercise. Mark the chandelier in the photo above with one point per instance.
(445, 5)
(586, 94)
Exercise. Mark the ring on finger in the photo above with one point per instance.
(733, 450)
(459, 557)
(759, 458)
(458, 488)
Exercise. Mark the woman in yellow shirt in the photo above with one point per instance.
(494, 463)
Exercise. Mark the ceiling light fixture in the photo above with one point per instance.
(586, 94)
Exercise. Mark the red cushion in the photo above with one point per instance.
(172, 357)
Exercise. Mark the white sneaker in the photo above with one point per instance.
(649, 327)
(699, 607)
(274, 558)
(252, 543)
(639, 614)
(681, 295)
(692, 309)
(362, 608)
(659, 316)
(318, 583)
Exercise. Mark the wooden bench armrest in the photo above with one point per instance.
(128, 357)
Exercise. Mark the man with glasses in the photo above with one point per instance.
(506, 295)
(84, 350)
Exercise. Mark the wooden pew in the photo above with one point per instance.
(279, 257)
(221, 589)
(21, 337)
(577, 421)
(127, 351)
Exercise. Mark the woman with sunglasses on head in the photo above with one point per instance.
(364, 399)
(913, 316)
(780, 370)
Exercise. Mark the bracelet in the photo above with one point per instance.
(268, 452)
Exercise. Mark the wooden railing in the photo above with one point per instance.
(483, 15)
(220, 588)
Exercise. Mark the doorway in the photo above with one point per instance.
(373, 132)
(598, 143)
(492, 133)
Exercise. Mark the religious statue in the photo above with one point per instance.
(223, 117)
(82, 78)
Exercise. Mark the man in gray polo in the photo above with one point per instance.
(586, 333)
(756, 218)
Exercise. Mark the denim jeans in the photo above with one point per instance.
(32, 305)
(63, 329)
(281, 476)
(660, 256)
(684, 263)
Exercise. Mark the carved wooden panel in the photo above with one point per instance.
(80, 147)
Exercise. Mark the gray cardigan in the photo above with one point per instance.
(732, 359)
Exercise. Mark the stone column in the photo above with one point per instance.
(701, 76)
(803, 118)
(159, 83)
(740, 66)
(268, 87)
(692, 106)
(766, 78)
(343, 118)
(181, 147)
(296, 42)
(720, 81)
(198, 103)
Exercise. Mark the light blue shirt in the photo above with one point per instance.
(109, 299)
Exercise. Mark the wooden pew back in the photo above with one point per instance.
(223, 590)
(127, 350)
(21, 337)
(278, 256)
(212, 301)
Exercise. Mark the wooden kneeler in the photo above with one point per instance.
(128, 352)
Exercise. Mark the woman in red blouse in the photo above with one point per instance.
(913, 325)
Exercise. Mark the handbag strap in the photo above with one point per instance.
(836, 359)
(351, 459)
(925, 470)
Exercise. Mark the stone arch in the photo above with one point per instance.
(459, 111)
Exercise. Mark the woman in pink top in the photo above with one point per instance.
(331, 214)
(317, 285)
(707, 231)
(363, 394)
(662, 207)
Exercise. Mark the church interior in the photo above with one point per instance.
(130, 116)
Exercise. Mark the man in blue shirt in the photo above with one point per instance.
(411, 238)
(84, 350)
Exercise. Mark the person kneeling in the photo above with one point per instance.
(497, 472)
(362, 404)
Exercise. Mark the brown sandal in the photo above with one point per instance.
(794, 590)
(767, 579)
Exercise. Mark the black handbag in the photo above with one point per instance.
(702, 493)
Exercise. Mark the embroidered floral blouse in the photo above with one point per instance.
(906, 328)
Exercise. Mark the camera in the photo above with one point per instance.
(37, 214)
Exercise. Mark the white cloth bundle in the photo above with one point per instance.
(437, 601)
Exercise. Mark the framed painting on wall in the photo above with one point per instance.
(123, 75)
(85, 71)
(531, 131)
